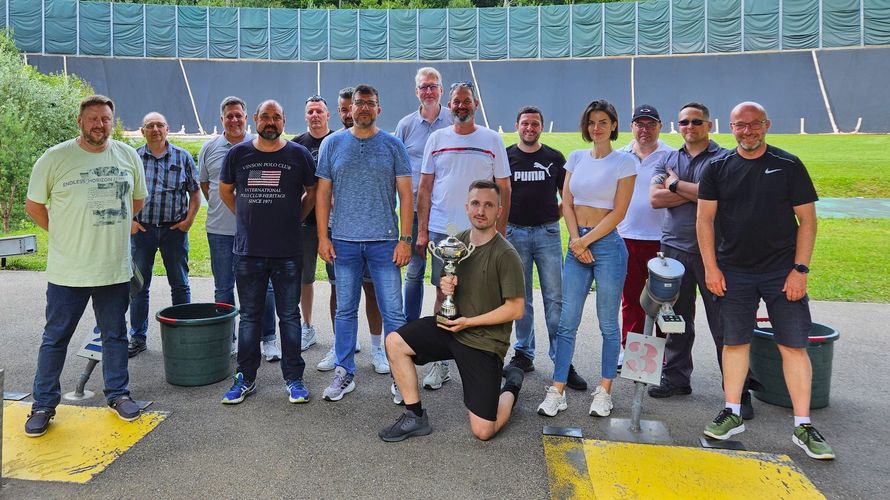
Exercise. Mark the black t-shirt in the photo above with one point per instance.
(757, 228)
(535, 179)
(312, 144)
(268, 192)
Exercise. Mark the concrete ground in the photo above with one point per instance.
(266, 447)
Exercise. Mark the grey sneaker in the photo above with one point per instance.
(553, 403)
(378, 359)
(407, 425)
(396, 395)
(341, 385)
(271, 349)
(601, 406)
(438, 375)
(309, 337)
(328, 362)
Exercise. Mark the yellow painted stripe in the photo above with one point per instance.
(80, 443)
(567, 468)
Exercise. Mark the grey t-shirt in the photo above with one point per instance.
(220, 220)
(678, 229)
(363, 173)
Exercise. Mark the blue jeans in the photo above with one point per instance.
(222, 265)
(414, 280)
(539, 246)
(252, 276)
(174, 247)
(352, 257)
(64, 308)
(608, 270)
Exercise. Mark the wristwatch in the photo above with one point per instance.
(802, 269)
(673, 186)
(407, 239)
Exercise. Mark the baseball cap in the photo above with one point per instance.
(645, 111)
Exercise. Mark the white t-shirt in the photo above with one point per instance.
(594, 181)
(643, 222)
(456, 161)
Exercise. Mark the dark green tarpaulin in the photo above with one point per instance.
(283, 31)
(254, 33)
(688, 20)
(313, 35)
(433, 34)
(724, 26)
(493, 34)
(192, 33)
(621, 29)
(877, 22)
(761, 26)
(800, 24)
(372, 34)
(554, 31)
(95, 28)
(160, 30)
(523, 32)
(462, 40)
(127, 27)
(403, 34)
(344, 34)
(654, 31)
(61, 28)
(24, 20)
(840, 23)
(224, 33)
(587, 30)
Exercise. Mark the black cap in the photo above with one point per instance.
(645, 111)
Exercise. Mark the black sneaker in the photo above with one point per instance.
(38, 422)
(408, 425)
(136, 345)
(520, 361)
(667, 389)
(747, 408)
(575, 381)
(125, 408)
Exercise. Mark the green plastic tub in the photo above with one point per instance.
(766, 364)
(197, 342)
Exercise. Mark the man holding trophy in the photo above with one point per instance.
(474, 329)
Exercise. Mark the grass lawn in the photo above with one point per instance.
(848, 253)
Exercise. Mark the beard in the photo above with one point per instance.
(270, 133)
(88, 137)
(461, 119)
(752, 147)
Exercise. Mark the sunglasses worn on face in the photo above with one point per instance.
(696, 122)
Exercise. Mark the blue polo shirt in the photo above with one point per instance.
(169, 179)
(413, 130)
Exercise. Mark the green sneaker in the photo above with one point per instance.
(726, 425)
(807, 437)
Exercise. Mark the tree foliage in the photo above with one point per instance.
(36, 112)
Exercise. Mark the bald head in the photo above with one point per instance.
(270, 104)
(749, 106)
(269, 118)
(749, 126)
(154, 130)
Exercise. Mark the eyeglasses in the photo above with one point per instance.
(429, 87)
(364, 104)
(315, 98)
(646, 125)
(468, 85)
(756, 125)
(685, 123)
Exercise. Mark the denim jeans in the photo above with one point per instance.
(540, 246)
(608, 270)
(414, 280)
(174, 247)
(64, 308)
(352, 257)
(222, 265)
(252, 276)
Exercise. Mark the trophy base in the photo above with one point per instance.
(444, 319)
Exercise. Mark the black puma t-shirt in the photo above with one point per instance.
(534, 181)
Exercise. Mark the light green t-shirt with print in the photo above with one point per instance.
(89, 197)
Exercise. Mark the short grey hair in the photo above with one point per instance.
(231, 101)
(427, 71)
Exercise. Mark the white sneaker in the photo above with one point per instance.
(328, 362)
(438, 375)
(601, 406)
(553, 403)
(620, 360)
(308, 338)
(235, 347)
(271, 349)
(358, 347)
(396, 395)
(378, 359)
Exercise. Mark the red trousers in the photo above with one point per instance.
(639, 252)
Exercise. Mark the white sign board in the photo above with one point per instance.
(643, 358)
(92, 349)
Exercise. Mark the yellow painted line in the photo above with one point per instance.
(567, 468)
(80, 443)
(628, 470)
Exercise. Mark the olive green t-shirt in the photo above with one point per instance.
(489, 276)
(89, 197)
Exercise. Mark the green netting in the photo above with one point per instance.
(24, 20)
(493, 34)
(95, 28)
(127, 28)
(761, 26)
(160, 30)
(876, 19)
(192, 32)
(403, 34)
(61, 27)
(433, 34)
(800, 24)
(724, 26)
(313, 35)
(688, 26)
(462, 39)
(283, 33)
(654, 31)
(554, 31)
(372, 34)
(224, 33)
(523, 32)
(840, 23)
(344, 34)
(254, 33)
(587, 30)
(621, 29)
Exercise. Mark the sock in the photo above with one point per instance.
(375, 341)
(415, 408)
(801, 420)
(736, 408)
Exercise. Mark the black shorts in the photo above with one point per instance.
(480, 371)
(791, 321)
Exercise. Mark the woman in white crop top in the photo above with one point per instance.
(598, 187)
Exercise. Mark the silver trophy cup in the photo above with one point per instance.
(451, 251)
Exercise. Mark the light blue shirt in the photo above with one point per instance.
(220, 220)
(414, 131)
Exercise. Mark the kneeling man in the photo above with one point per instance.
(490, 296)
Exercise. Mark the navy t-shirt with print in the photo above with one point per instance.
(268, 192)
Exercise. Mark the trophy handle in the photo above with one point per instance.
(470, 248)
(433, 248)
